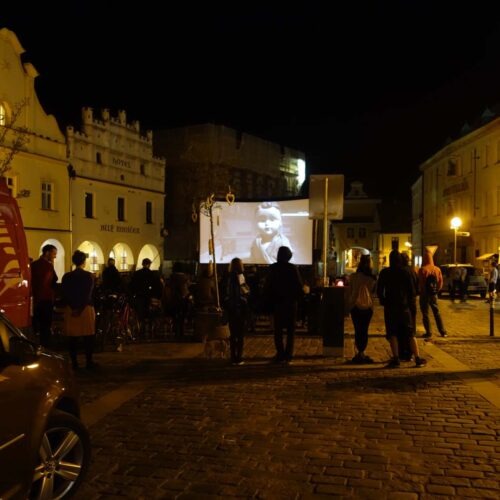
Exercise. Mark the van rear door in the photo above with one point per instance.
(14, 264)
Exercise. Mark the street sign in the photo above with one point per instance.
(335, 198)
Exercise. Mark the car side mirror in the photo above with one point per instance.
(22, 352)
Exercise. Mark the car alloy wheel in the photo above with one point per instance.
(63, 457)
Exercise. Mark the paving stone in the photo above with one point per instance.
(317, 428)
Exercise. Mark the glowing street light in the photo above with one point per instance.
(456, 223)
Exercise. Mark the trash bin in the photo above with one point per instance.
(331, 320)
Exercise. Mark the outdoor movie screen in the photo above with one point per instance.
(254, 231)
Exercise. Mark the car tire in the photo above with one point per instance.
(63, 458)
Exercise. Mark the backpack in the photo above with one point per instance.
(431, 285)
(364, 298)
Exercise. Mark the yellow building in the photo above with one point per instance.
(38, 175)
(117, 192)
(463, 180)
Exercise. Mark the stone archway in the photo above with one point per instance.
(352, 256)
(123, 256)
(59, 265)
(95, 257)
(150, 252)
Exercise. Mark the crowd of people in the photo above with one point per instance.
(244, 295)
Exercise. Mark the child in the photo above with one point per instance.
(269, 236)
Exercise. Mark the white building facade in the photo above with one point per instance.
(117, 192)
(463, 180)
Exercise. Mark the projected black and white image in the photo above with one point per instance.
(254, 231)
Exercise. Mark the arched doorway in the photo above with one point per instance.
(352, 256)
(123, 256)
(150, 252)
(95, 257)
(59, 266)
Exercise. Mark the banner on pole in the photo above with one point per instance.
(335, 196)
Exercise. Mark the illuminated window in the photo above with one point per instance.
(149, 212)
(121, 209)
(89, 205)
(3, 115)
(47, 196)
(12, 185)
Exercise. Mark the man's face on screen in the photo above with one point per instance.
(268, 221)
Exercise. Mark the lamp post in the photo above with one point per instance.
(456, 223)
(207, 208)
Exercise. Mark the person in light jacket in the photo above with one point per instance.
(362, 286)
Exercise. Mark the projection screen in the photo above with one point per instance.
(253, 231)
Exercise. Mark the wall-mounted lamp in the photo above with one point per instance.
(23, 193)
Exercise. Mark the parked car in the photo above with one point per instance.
(44, 446)
(475, 280)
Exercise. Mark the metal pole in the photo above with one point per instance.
(325, 233)
(210, 213)
(455, 251)
(492, 318)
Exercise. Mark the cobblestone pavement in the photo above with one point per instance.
(320, 427)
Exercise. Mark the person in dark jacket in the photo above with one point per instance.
(282, 292)
(404, 347)
(79, 314)
(396, 293)
(145, 285)
(236, 304)
(43, 289)
(111, 279)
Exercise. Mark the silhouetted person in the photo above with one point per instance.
(361, 286)
(396, 293)
(236, 304)
(283, 290)
(111, 279)
(43, 288)
(430, 281)
(145, 285)
(79, 314)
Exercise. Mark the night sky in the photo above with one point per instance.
(369, 90)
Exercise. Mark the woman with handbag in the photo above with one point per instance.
(362, 285)
(79, 314)
(236, 305)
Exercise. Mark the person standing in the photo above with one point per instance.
(430, 281)
(492, 281)
(362, 286)
(404, 347)
(283, 290)
(144, 286)
(79, 314)
(43, 289)
(111, 279)
(396, 293)
(236, 303)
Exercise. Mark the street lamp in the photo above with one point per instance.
(456, 223)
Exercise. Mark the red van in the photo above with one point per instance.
(14, 261)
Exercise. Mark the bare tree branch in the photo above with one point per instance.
(10, 146)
